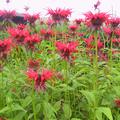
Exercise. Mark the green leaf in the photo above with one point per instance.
(89, 96)
(57, 106)
(76, 119)
(67, 111)
(4, 110)
(26, 101)
(98, 115)
(17, 107)
(20, 116)
(48, 111)
(106, 111)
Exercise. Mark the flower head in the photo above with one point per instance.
(78, 21)
(59, 14)
(18, 35)
(96, 20)
(114, 22)
(7, 15)
(39, 79)
(66, 50)
(5, 47)
(31, 18)
(73, 27)
(31, 40)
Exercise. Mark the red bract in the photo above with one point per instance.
(31, 40)
(31, 18)
(59, 14)
(96, 20)
(32, 74)
(73, 28)
(18, 35)
(66, 50)
(39, 79)
(117, 103)
(7, 15)
(5, 47)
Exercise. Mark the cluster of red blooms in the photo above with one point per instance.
(112, 27)
(46, 34)
(66, 50)
(90, 42)
(96, 20)
(90, 47)
(59, 14)
(18, 35)
(31, 18)
(39, 79)
(7, 15)
(21, 36)
(5, 47)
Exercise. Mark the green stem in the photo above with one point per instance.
(33, 101)
(96, 62)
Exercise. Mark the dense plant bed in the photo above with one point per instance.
(53, 70)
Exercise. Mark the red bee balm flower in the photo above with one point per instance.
(31, 18)
(78, 21)
(5, 46)
(7, 15)
(66, 50)
(73, 27)
(96, 20)
(18, 35)
(59, 14)
(117, 103)
(114, 22)
(31, 40)
(46, 33)
(39, 79)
